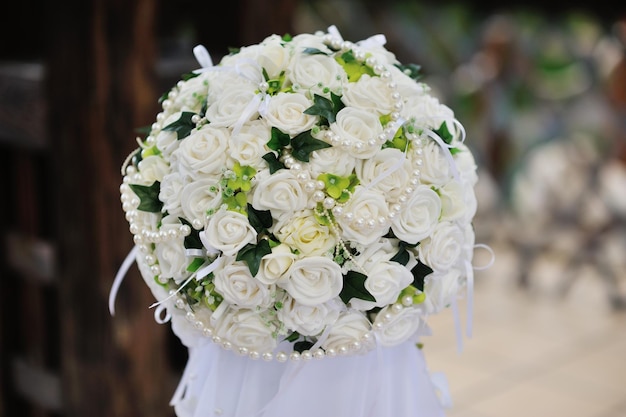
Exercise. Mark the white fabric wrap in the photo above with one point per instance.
(385, 382)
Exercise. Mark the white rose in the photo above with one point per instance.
(274, 56)
(228, 231)
(427, 110)
(441, 288)
(238, 287)
(248, 147)
(305, 319)
(204, 151)
(170, 193)
(333, 160)
(369, 93)
(308, 40)
(245, 328)
(389, 168)
(466, 164)
(153, 168)
(313, 280)
(285, 111)
(167, 140)
(243, 67)
(419, 215)
(444, 247)
(198, 196)
(397, 327)
(349, 328)
(170, 253)
(453, 201)
(192, 93)
(365, 205)
(384, 281)
(275, 265)
(315, 73)
(436, 168)
(226, 109)
(304, 233)
(358, 126)
(280, 193)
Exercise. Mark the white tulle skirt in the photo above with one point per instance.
(385, 382)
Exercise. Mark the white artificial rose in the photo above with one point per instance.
(397, 327)
(275, 265)
(419, 215)
(304, 233)
(427, 111)
(385, 280)
(280, 193)
(198, 196)
(388, 172)
(348, 329)
(358, 126)
(365, 206)
(239, 288)
(228, 231)
(333, 160)
(307, 40)
(170, 253)
(441, 288)
(406, 84)
(249, 145)
(443, 249)
(191, 94)
(274, 56)
(369, 93)
(231, 105)
(436, 168)
(170, 193)
(315, 74)
(466, 164)
(313, 280)
(167, 141)
(305, 319)
(452, 196)
(153, 168)
(285, 111)
(240, 67)
(246, 329)
(204, 151)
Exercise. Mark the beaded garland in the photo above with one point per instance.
(377, 242)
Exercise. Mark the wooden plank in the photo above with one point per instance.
(30, 257)
(39, 386)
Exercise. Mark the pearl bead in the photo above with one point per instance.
(407, 300)
(267, 356)
(207, 332)
(190, 316)
(294, 356)
(329, 203)
(309, 186)
(337, 211)
(227, 345)
(343, 350)
(397, 307)
(217, 339)
(180, 303)
(318, 196)
(254, 355)
(281, 357)
(243, 351)
(306, 355)
(319, 354)
(331, 352)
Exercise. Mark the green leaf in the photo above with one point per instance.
(324, 108)
(302, 346)
(444, 133)
(419, 272)
(353, 68)
(259, 219)
(195, 264)
(183, 126)
(314, 51)
(192, 241)
(252, 254)
(402, 257)
(273, 162)
(304, 144)
(189, 75)
(293, 337)
(148, 197)
(354, 287)
(278, 140)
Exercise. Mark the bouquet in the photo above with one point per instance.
(306, 197)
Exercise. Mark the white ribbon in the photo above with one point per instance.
(203, 57)
(446, 152)
(119, 277)
(440, 382)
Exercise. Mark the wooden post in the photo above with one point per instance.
(100, 78)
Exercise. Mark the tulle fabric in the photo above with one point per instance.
(392, 381)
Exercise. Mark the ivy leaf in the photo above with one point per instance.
(183, 126)
(259, 219)
(304, 144)
(419, 272)
(302, 346)
(252, 254)
(273, 162)
(314, 51)
(444, 133)
(278, 140)
(148, 197)
(192, 241)
(325, 108)
(293, 337)
(402, 257)
(354, 287)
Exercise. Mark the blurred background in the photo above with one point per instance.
(540, 88)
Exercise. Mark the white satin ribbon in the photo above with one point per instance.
(119, 278)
